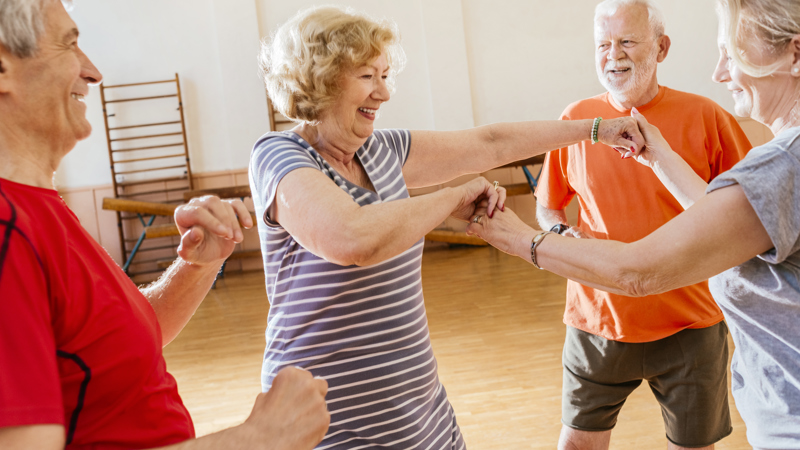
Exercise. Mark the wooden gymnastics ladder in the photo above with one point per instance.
(149, 156)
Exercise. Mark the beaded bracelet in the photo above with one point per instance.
(595, 127)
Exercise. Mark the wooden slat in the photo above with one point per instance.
(517, 189)
(151, 169)
(141, 98)
(160, 191)
(146, 136)
(137, 207)
(146, 125)
(154, 180)
(226, 192)
(146, 148)
(170, 229)
(138, 84)
(148, 159)
(157, 231)
(452, 237)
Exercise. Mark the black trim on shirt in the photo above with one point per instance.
(73, 421)
(11, 226)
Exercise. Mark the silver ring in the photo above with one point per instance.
(477, 219)
(496, 184)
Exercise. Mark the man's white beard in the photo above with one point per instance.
(634, 86)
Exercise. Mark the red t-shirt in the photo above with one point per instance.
(625, 201)
(79, 344)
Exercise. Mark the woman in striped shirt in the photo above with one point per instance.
(342, 239)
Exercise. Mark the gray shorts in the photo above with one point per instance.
(687, 372)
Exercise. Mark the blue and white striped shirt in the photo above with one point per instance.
(363, 329)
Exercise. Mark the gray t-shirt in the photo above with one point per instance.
(761, 298)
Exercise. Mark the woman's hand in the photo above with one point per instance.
(476, 190)
(505, 230)
(656, 147)
(622, 134)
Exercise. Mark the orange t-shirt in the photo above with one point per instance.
(624, 201)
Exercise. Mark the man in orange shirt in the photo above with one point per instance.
(676, 340)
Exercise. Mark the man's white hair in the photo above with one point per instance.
(21, 25)
(655, 16)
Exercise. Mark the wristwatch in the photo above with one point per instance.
(560, 228)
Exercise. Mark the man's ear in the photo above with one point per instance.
(664, 43)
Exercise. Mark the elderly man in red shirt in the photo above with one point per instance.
(81, 364)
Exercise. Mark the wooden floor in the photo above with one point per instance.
(497, 333)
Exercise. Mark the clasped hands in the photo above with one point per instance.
(631, 137)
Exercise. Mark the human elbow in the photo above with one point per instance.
(352, 249)
(636, 283)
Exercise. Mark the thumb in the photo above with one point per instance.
(191, 239)
(640, 119)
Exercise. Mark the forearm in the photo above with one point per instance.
(440, 156)
(520, 140)
(378, 232)
(680, 179)
(594, 263)
(177, 294)
(236, 437)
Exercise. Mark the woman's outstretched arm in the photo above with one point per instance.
(436, 157)
(719, 232)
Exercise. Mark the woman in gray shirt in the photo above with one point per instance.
(743, 229)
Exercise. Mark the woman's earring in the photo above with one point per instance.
(796, 70)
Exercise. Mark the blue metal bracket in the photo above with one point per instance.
(532, 181)
(139, 242)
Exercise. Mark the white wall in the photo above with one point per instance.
(528, 59)
(470, 62)
(210, 43)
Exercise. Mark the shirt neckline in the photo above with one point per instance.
(662, 91)
(360, 153)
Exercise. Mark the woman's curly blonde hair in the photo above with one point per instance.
(303, 61)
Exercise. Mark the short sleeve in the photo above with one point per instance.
(274, 156)
(553, 190)
(770, 178)
(399, 141)
(732, 145)
(30, 387)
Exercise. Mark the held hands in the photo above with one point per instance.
(504, 230)
(210, 228)
(476, 190)
(656, 147)
(292, 415)
(622, 134)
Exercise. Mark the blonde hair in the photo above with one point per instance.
(303, 61)
(772, 22)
